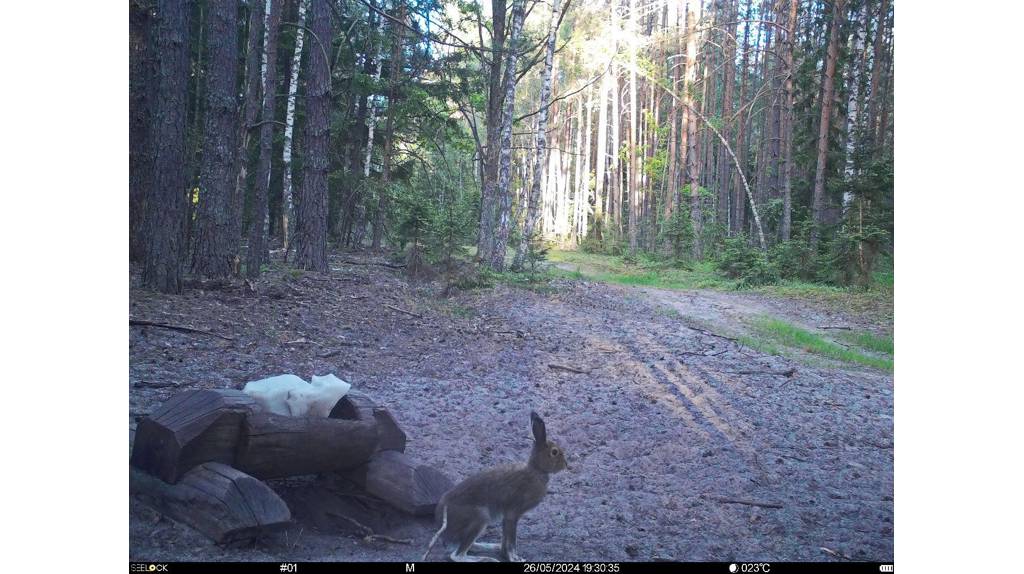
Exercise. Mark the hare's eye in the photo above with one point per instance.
(554, 452)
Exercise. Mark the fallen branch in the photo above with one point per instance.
(835, 327)
(710, 334)
(380, 263)
(149, 385)
(695, 354)
(368, 534)
(393, 308)
(786, 373)
(144, 323)
(835, 553)
(570, 369)
(746, 502)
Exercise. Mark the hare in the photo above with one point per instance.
(505, 492)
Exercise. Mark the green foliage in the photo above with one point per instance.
(740, 260)
(795, 337)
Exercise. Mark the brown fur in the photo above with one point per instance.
(505, 493)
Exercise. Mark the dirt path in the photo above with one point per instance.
(671, 432)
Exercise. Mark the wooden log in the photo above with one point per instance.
(393, 477)
(189, 429)
(222, 502)
(274, 446)
(359, 406)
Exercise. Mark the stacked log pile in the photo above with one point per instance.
(201, 459)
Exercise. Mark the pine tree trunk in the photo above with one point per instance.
(739, 203)
(787, 171)
(729, 71)
(877, 66)
(311, 225)
(541, 141)
(164, 222)
(389, 128)
(633, 112)
(258, 252)
(250, 113)
(818, 199)
(141, 95)
(288, 210)
(601, 155)
(215, 246)
(502, 194)
(692, 175)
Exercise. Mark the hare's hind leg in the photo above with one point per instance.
(474, 527)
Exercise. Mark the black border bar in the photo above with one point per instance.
(506, 567)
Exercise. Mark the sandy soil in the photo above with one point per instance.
(671, 430)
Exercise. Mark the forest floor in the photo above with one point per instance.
(696, 428)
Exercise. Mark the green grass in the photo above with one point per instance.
(870, 341)
(647, 271)
(794, 337)
(642, 271)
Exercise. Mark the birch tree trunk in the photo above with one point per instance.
(289, 125)
(503, 196)
(495, 92)
(215, 247)
(541, 141)
(257, 250)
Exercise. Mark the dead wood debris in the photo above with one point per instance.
(368, 534)
(726, 500)
(393, 308)
(565, 368)
(182, 328)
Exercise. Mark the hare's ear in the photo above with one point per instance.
(540, 433)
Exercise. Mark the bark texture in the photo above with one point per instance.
(215, 246)
(140, 114)
(258, 251)
(311, 226)
(502, 192)
(164, 225)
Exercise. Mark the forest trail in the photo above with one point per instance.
(683, 443)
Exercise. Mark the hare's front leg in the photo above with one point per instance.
(508, 539)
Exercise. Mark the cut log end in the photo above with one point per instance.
(223, 503)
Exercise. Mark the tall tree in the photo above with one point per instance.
(215, 246)
(495, 93)
(541, 140)
(503, 199)
(250, 113)
(729, 72)
(311, 226)
(389, 127)
(787, 130)
(166, 206)
(634, 205)
(289, 126)
(140, 95)
(258, 250)
(692, 173)
(827, 96)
